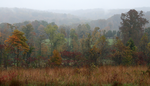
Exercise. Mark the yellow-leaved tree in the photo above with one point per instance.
(18, 41)
(56, 59)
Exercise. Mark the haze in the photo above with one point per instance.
(74, 4)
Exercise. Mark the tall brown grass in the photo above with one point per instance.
(79, 76)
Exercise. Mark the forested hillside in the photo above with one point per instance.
(14, 15)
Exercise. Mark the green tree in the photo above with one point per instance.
(59, 40)
(56, 39)
(74, 40)
(88, 26)
(118, 34)
(27, 31)
(39, 41)
(85, 44)
(82, 30)
(131, 44)
(109, 33)
(28, 34)
(147, 31)
(51, 30)
(11, 27)
(44, 23)
(114, 32)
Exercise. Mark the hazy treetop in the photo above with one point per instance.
(74, 4)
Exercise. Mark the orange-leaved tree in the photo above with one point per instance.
(18, 41)
(56, 58)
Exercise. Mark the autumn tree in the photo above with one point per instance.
(132, 25)
(56, 59)
(18, 41)
(93, 55)
(95, 35)
(89, 51)
(121, 54)
(62, 30)
(102, 45)
(143, 43)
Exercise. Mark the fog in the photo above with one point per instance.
(101, 13)
(74, 4)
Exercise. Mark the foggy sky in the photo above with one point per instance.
(74, 4)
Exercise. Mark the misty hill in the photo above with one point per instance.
(13, 15)
(98, 13)
(111, 23)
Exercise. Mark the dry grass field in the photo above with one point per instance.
(104, 75)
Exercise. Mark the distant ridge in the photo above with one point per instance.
(98, 13)
(13, 15)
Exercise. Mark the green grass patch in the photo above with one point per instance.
(110, 41)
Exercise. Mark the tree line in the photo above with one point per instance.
(41, 44)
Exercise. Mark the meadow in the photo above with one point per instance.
(84, 76)
(110, 41)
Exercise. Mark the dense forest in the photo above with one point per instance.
(39, 43)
